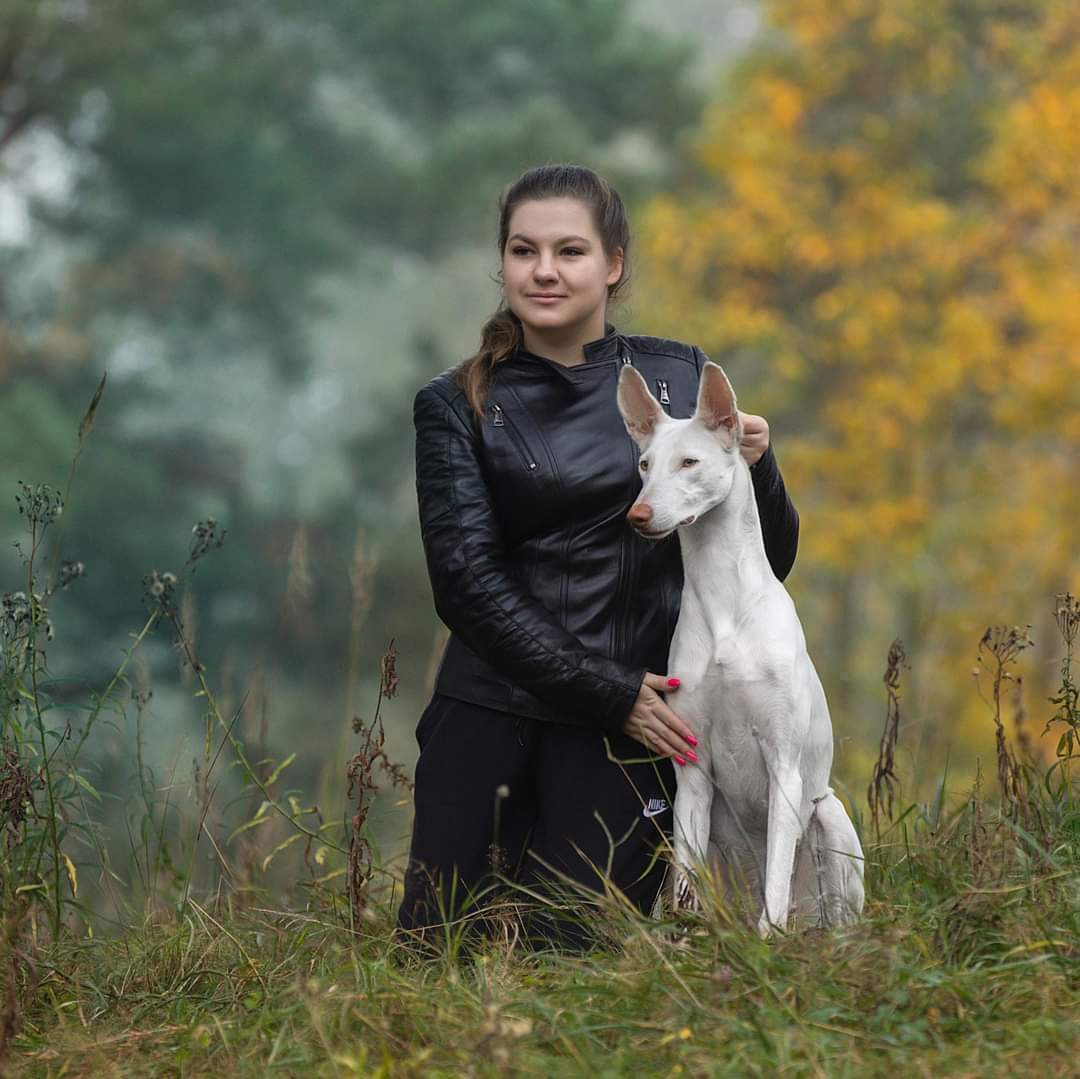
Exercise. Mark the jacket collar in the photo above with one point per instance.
(599, 352)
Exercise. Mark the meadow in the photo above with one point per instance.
(270, 227)
(967, 960)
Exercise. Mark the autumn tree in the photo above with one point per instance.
(878, 237)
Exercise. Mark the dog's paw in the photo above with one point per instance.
(767, 929)
(686, 898)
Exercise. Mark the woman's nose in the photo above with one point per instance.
(545, 268)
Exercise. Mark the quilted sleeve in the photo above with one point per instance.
(779, 518)
(478, 597)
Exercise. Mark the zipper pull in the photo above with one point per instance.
(626, 358)
(497, 412)
(662, 386)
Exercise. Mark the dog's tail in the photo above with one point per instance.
(829, 878)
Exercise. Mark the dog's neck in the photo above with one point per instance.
(723, 556)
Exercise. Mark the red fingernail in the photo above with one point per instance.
(691, 739)
(673, 682)
(680, 760)
(692, 755)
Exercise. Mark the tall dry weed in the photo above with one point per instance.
(884, 783)
(360, 770)
(1067, 699)
(999, 649)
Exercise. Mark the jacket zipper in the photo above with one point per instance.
(523, 452)
(626, 559)
(661, 385)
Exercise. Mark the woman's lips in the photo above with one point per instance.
(546, 299)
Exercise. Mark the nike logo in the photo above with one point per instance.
(655, 807)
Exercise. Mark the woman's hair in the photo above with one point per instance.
(502, 333)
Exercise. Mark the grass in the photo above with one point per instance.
(967, 961)
(958, 971)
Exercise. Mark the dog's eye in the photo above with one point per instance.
(688, 461)
(643, 465)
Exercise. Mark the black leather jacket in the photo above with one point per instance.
(556, 606)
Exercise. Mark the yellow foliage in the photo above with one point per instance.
(784, 101)
(890, 227)
(72, 874)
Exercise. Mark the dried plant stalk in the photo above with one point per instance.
(881, 793)
(1001, 645)
(360, 772)
(1067, 698)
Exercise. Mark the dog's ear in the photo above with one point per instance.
(641, 412)
(715, 409)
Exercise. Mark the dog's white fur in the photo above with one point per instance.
(757, 805)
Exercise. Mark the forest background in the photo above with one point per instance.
(269, 224)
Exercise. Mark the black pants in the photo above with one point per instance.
(541, 804)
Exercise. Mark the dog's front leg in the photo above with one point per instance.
(693, 813)
(783, 831)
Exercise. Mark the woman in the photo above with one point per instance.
(532, 764)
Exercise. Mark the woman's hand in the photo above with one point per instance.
(655, 725)
(755, 437)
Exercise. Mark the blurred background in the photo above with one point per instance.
(270, 222)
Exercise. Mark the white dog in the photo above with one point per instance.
(758, 801)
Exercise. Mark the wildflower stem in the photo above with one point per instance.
(237, 744)
(104, 696)
(46, 765)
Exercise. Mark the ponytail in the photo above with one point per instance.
(500, 337)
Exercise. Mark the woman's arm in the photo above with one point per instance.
(475, 592)
(779, 518)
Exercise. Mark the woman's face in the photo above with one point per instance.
(552, 247)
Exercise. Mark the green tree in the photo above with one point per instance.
(225, 162)
(223, 157)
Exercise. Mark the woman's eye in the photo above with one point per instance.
(566, 250)
(688, 461)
